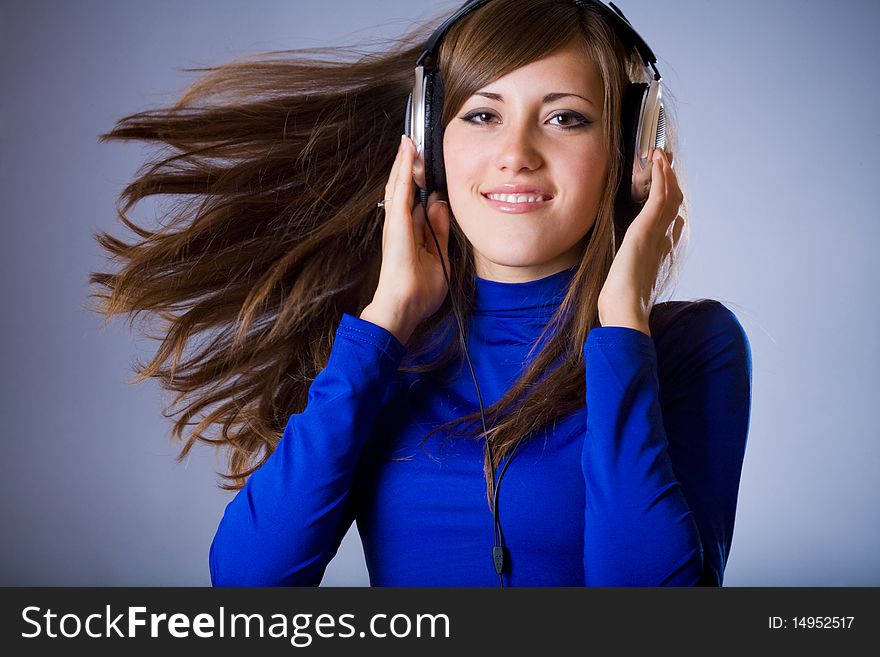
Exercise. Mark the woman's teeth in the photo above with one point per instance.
(517, 198)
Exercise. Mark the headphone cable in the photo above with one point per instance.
(497, 537)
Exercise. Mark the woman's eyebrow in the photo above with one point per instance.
(549, 98)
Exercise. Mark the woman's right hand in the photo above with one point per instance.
(411, 283)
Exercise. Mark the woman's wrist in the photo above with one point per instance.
(629, 324)
(625, 320)
(395, 321)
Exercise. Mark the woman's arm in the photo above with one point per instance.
(285, 525)
(662, 467)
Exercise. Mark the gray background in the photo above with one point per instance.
(778, 114)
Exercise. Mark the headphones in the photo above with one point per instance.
(643, 121)
(643, 117)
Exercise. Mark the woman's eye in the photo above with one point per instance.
(567, 120)
(471, 117)
(571, 120)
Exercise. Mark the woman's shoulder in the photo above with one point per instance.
(699, 332)
(704, 312)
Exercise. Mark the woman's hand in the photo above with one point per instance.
(411, 283)
(630, 291)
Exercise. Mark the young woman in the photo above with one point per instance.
(395, 365)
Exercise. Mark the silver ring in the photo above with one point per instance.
(381, 204)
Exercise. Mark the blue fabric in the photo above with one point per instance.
(638, 488)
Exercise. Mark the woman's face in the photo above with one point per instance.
(526, 163)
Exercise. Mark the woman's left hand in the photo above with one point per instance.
(630, 290)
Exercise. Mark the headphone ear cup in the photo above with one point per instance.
(626, 207)
(435, 170)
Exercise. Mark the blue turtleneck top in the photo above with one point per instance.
(637, 488)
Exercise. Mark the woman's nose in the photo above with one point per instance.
(517, 149)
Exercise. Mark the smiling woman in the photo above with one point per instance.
(518, 147)
(325, 340)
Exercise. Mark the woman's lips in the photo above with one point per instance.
(515, 208)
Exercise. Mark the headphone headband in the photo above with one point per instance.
(621, 24)
(429, 56)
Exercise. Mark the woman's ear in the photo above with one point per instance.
(419, 171)
(641, 179)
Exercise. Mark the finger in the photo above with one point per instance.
(419, 171)
(439, 216)
(673, 191)
(401, 204)
(403, 182)
(641, 178)
(389, 192)
(657, 194)
(420, 236)
(392, 176)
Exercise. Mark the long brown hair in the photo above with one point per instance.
(275, 163)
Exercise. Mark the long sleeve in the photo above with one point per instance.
(285, 525)
(662, 467)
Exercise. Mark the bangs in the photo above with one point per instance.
(500, 37)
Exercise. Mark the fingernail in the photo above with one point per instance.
(658, 154)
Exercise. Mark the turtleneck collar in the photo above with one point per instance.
(538, 298)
